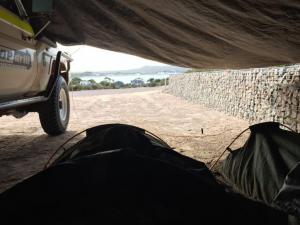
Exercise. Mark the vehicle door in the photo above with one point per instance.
(18, 68)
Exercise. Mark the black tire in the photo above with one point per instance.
(52, 120)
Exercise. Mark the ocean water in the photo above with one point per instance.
(126, 78)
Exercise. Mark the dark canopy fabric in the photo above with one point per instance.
(188, 33)
(266, 168)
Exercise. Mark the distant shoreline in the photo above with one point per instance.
(142, 71)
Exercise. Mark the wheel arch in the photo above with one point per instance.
(60, 67)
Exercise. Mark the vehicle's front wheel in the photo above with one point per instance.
(54, 114)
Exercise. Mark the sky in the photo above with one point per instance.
(92, 59)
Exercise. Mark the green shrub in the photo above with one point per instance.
(110, 84)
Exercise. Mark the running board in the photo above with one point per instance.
(22, 102)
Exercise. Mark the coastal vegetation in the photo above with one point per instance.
(78, 84)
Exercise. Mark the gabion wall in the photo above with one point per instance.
(257, 95)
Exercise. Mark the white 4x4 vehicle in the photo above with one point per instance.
(33, 74)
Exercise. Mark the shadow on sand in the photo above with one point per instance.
(22, 156)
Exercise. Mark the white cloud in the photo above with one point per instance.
(88, 58)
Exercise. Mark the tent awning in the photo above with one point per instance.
(188, 33)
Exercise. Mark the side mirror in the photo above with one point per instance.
(42, 6)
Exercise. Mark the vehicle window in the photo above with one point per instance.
(9, 5)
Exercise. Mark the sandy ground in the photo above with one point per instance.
(24, 148)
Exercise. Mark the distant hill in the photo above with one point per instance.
(142, 70)
(156, 69)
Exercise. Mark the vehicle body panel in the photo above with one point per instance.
(18, 68)
(26, 64)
